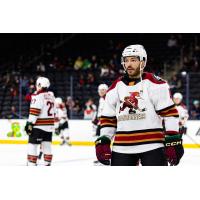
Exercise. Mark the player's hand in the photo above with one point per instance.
(103, 150)
(173, 149)
(29, 128)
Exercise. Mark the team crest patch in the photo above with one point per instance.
(132, 103)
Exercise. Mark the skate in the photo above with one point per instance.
(62, 143)
(68, 143)
(97, 163)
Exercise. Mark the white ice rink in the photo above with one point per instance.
(15, 155)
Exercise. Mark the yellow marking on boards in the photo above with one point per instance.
(78, 143)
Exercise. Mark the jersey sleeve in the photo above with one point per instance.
(35, 108)
(184, 114)
(108, 120)
(165, 107)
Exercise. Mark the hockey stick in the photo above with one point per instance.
(198, 132)
(193, 140)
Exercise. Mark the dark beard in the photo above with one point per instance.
(136, 73)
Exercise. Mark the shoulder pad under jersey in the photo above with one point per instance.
(114, 84)
(153, 78)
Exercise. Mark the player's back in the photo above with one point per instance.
(182, 110)
(43, 106)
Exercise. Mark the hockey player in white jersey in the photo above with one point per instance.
(134, 108)
(102, 89)
(182, 111)
(63, 127)
(40, 124)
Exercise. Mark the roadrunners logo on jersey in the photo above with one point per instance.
(132, 102)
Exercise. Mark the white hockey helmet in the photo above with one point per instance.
(135, 50)
(196, 102)
(178, 96)
(102, 87)
(42, 82)
(58, 100)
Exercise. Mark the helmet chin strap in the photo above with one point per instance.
(141, 89)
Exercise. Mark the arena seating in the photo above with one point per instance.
(65, 81)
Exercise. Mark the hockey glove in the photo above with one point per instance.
(103, 151)
(173, 149)
(183, 130)
(29, 128)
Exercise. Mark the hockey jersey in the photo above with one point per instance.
(98, 113)
(133, 114)
(61, 114)
(42, 110)
(100, 106)
(183, 114)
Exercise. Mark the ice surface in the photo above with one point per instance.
(15, 155)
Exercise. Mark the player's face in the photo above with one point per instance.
(177, 101)
(102, 92)
(38, 88)
(132, 66)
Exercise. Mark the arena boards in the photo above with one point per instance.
(81, 133)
